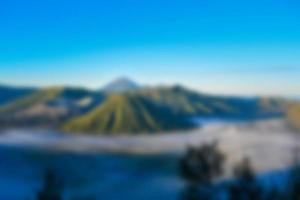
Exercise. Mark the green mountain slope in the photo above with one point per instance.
(42, 96)
(127, 113)
(140, 110)
(181, 100)
(47, 107)
(293, 116)
(177, 98)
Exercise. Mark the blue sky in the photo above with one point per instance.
(218, 46)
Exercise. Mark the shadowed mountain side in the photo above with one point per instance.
(182, 100)
(9, 94)
(128, 113)
(47, 107)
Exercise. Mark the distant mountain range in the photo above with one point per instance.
(184, 101)
(8, 94)
(48, 107)
(126, 107)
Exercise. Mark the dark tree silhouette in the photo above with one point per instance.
(245, 186)
(52, 188)
(199, 167)
(202, 165)
(275, 194)
(294, 179)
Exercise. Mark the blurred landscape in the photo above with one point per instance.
(149, 99)
(125, 107)
(93, 140)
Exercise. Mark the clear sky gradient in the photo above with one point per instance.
(218, 46)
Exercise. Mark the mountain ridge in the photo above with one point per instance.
(58, 106)
(46, 106)
(121, 84)
(11, 93)
(127, 114)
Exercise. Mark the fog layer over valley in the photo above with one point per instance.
(269, 143)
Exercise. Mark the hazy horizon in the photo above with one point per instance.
(221, 47)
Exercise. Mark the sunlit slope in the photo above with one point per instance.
(46, 106)
(293, 116)
(127, 113)
(143, 109)
(41, 96)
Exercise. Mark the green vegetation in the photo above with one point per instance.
(182, 100)
(139, 110)
(293, 116)
(272, 105)
(127, 113)
(47, 107)
(44, 96)
(41, 96)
